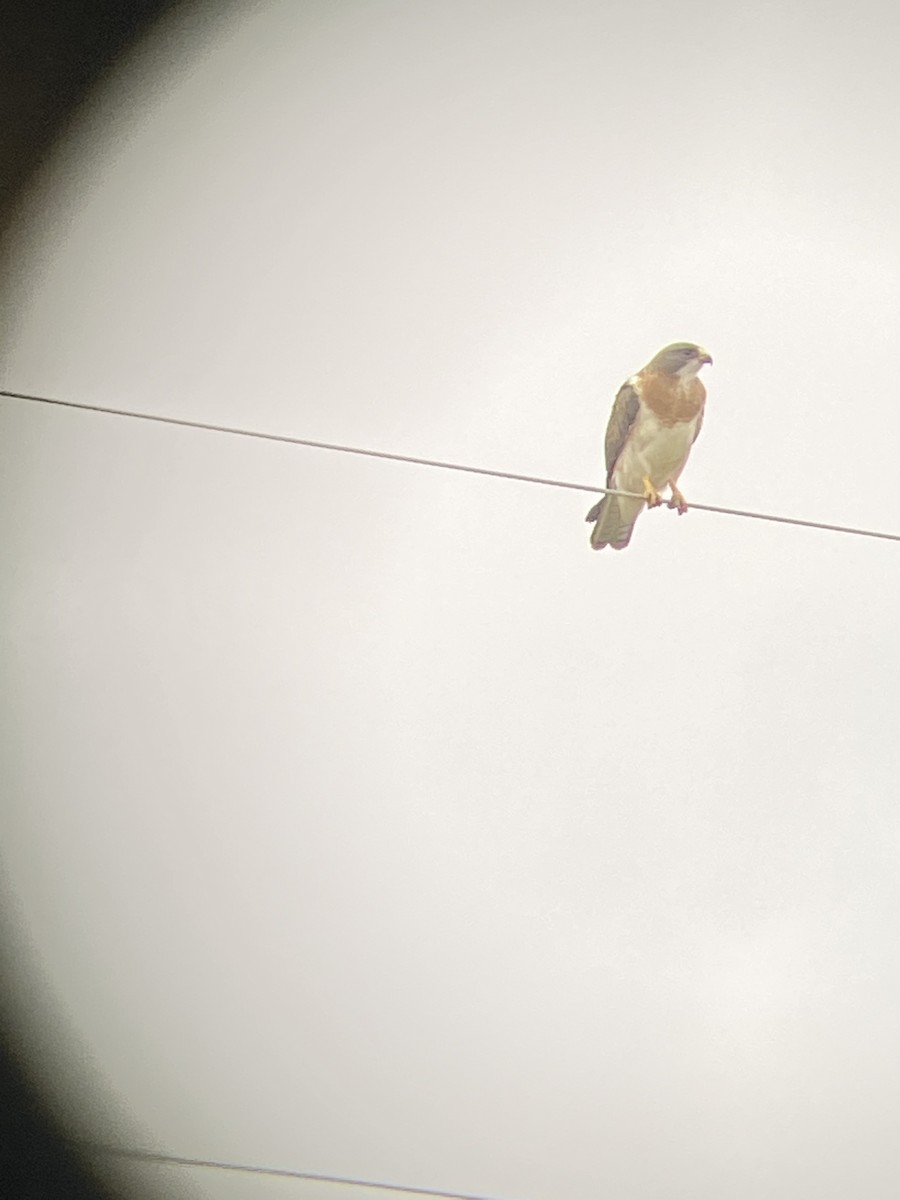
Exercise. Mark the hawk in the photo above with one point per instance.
(654, 422)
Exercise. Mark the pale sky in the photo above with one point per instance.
(361, 819)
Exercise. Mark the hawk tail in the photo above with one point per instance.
(614, 518)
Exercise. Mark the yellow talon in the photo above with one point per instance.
(678, 501)
(651, 495)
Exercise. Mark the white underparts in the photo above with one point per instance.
(652, 450)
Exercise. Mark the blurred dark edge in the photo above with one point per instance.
(52, 53)
(36, 1161)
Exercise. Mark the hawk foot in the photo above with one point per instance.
(651, 495)
(678, 501)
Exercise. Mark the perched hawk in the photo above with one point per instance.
(654, 422)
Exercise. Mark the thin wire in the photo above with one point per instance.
(337, 447)
(176, 1160)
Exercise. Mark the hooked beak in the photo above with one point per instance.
(704, 357)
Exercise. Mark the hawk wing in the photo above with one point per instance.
(624, 411)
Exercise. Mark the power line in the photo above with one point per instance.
(176, 1160)
(287, 439)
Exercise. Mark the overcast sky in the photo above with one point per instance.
(361, 818)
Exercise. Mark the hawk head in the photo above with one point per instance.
(681, 358)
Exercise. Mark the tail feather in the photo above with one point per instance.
(615, 517)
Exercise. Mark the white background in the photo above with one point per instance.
(360, 819)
